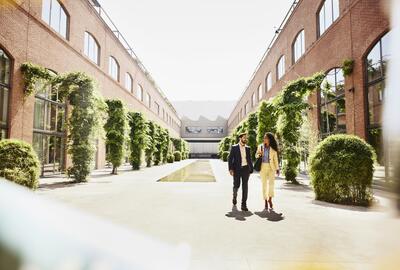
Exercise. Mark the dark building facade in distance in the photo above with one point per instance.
(319, 35)
(65, 36)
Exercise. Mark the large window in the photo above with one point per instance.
(128, 82)
(139, 92)
(280, 67)
(376, 64)
(157, 108)
(253, 100)
(246, 109)
(260, 92)
(53, 14)
(92, 48)
(5, 71)
(333, 103)
(148, 100)
(113, 69)
(268, 82)
(328, 13)
(299, 47)
(48, 128)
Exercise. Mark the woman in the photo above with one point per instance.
(269, 153)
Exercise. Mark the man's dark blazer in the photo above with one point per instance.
(235, 159)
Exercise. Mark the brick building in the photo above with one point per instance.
(318, 35)
(64, 36)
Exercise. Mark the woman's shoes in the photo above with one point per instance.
(266, 205)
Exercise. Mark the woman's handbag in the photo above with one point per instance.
(257, 164)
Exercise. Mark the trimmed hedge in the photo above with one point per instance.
(19, 163)
(170, 158)
(177, 156)
(341, 170)
(225, 155)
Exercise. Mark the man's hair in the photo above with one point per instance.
(242, 134)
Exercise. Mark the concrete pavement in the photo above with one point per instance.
(308, 235)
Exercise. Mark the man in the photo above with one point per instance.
(240, 167)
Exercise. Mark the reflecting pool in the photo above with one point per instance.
(198, 171)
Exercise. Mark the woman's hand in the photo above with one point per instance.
(259, 153)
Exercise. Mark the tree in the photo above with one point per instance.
(251, 124)
(267, 118)
(115, 128)
(224, 146)
(158, 141)
(150, 143)
(291, 104)
(165, 145)
(85, 122)
(137, 136)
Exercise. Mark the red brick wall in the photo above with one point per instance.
(26, 37)
(360, 24)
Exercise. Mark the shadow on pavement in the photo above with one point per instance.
(270, 215)
(294, 187)
(345, 207)
(238, 215)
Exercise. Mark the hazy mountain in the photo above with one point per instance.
(209, 109)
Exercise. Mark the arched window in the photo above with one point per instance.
(268, 82)
(333, 103)
(328, 13)
(113, 69)
(5, 75)
(253, 100)
(280, 67)
(299, 46)
(260, 92)
(54, 14)
(376, 64)
(128, 82)
(92, 48)
(139, 93)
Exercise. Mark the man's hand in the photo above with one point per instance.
(231, 172)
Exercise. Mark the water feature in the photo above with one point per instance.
(198, 171)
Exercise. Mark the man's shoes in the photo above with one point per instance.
(244, 208)
(234, 201)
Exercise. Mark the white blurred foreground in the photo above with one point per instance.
(37, 233)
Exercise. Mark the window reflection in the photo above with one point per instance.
(54, 15)
(328, 14)
(5, 65)
(333, 103)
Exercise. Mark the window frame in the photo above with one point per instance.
(303, 45)
(326, 102)
(90, 35)
(318, 16)
(278, 66)
(110, 59)
(268, 85)
(128, 75)
(9, 86)
(67, 17)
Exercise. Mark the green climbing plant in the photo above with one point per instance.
(267, 119)
(150, 143)
(224, 146)
(292, 102)
(158, 141)
(137, 138)
(165, 147)
(33, 74)
(347, 67)
(252, 123)
(85, 123)
(115, 128)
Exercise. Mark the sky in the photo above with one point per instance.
(199, 50)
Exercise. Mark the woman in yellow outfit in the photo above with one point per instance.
(270, 165)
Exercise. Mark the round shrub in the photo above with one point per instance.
(225, 155)
(170, 158)
(341, 170)
(19, 163)
(177, 156)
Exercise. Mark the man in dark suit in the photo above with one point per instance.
(240, 167)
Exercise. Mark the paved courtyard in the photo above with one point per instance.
(308, 234)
